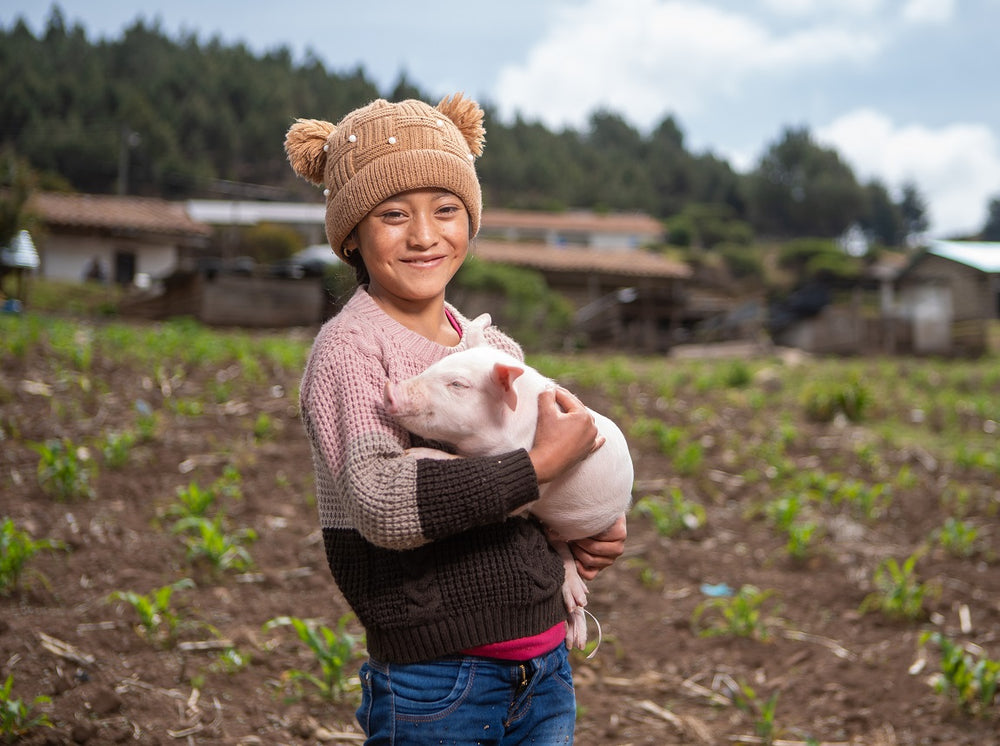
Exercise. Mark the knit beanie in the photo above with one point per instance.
(386, 148)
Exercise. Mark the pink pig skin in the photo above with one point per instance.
(484, 402)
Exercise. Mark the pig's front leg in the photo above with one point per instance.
(434, 453)
(574, 592)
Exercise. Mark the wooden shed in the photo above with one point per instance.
(629, 298)
(948, 293)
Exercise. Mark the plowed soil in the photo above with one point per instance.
(833, 672)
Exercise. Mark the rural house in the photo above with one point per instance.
(118, 239)
(948, 293)
(939, 301)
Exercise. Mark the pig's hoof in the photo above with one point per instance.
(576, 629)
(574, 592)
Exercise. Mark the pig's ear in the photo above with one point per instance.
(504, 376)
(477, 328)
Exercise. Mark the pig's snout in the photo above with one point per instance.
(391, 397)
(400, 399)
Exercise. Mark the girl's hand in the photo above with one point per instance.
(598, 552)
(566, 434)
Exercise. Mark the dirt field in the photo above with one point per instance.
(832, 673)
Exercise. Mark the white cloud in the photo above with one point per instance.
(802, 8)
(956, 167)
(929, 11)
(678, 56)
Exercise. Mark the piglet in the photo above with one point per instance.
(482, 402)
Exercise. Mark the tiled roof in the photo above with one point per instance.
(981, 255)
(575, 220)
(634, 262)
(116, 213)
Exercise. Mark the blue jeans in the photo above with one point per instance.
(469, 700)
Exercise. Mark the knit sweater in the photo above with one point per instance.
(424, 551)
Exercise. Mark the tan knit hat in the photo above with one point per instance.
(386, 148)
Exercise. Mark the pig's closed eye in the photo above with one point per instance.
(460, 384)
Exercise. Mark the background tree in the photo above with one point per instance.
(913, 210)
(882, 220)
(16, 185)
(991, 228)
(800, 188)
(269, 242)
(615, 163)
(185, 117)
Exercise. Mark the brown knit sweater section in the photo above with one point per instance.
(423, 550)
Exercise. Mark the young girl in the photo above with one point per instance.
(460, 602)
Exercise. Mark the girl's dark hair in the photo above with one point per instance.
(360, 270)
(354, 259)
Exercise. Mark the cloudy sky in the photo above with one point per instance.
(904, 90)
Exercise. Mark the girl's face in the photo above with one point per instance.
(412, 244)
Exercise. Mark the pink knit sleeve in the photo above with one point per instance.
(366, 482)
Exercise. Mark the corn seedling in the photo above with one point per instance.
(905, 479)
(747, 700)
(116, 447)
(228, 485)
(970, 457)
(868, 501)
(783, 511)
(263, 427)
(970, 680)
(334, 650)
(64, 470)
(77, 348)
(230, 661)
(16, 548)
(187, 407)
(192, 502)
(739, 616)
(958, 538)
(667, 437)
(899, 594)
(689, 460)
(209, 541)
(673, 515)
(145, 421)
(18, 718)
(800, 538)
(957, 500)
(736, 375)
(157, 620)
(786, 434)
(819, 485)
(221, 391)
(824, 400)
(649, 576)
(18, 335)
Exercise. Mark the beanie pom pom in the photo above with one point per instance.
(304, 147)
(467, 116)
